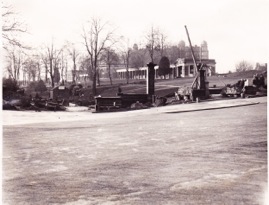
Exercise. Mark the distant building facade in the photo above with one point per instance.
(184, 66)
(200, 52)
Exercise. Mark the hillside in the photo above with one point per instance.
(245, 74)
(165, 87)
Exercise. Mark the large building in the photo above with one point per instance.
(184, 66)
(200, 52)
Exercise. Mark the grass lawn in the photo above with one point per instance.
(162, 87)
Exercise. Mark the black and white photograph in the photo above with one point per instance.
(135, 102)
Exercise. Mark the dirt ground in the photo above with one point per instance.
(148, 156)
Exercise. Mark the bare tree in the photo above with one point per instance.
(74, 54)
(15, 60)
(126, 56)
(36, 59)
(85, 64)
(96, 39)
(126, 60)
(31, 67)
(243, 66)
(63, 66)
(162, 43)
(110, 58)
(11, 27)
(56, 70)
(52, 58)
(45, 61)
(152, 43)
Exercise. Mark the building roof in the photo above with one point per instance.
(190, 60)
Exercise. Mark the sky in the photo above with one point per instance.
(235, 30)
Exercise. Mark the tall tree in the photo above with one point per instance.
(164, 66)
(126, 55)
(85, 64)
(162, 43)
(63, 66)
(52, 57)
(31, 66)
(96, 39)
(243, 66)
(126, 61)
(36, 59)
(152, 43)
(45, 61)
(110, 58)
(74, 54)
(11, 27)
(57, 75)
(15, 60)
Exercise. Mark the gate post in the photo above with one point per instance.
(150, 80)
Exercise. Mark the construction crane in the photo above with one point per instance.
(199, 87)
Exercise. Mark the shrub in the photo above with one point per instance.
(10, 85)
(26, 101)
(164, 66)
(31, 87)
(40, 86)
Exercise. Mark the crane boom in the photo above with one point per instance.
(194, 61)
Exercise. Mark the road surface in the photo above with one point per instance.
(139, 157)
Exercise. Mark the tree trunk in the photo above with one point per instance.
(94, 84)
(39, 72)
(18, 68)
(51, 74)
(98, 77)
(74, 71)
(46, 74)
(52, 80)
(127, 76)
(109, 75)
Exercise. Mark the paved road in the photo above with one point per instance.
(143, 157)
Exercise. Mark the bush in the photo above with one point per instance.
(164, 66)
(40, 86)
(31, 87)
(25, 101)
(10, 85)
